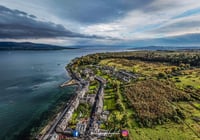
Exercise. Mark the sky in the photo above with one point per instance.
(102, 22)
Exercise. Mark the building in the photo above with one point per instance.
(108, 69)
(125, 76)
(74, 105)
(88, 72)
(104, 115)
(99, 107)
(55, 136)
(90, 99)
(81, 127)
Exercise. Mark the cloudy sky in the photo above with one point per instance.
(89, 22)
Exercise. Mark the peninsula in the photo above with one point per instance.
(131, 95)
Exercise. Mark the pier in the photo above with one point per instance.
(70, 83)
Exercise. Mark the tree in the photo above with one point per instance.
(124, 121)
(134, 70)
(119, 106)
(162, 75)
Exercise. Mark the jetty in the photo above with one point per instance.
(69, 83)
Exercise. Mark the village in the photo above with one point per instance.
(75, 123)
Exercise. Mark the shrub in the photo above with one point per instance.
(150, 100)
(162, 75)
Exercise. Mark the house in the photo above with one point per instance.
(55, 136)
(68, 131)
(125, 76)
(87, 72)
(81, 127)
(106, 112)
(94, 128)
(104, 115)
(128, 74)
(100, 79)
(99, 107)
(91, 78)
(89, 99)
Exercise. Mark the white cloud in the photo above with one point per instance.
(141, 24)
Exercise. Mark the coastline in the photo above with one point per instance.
(36, 125)
(71, 68)
(48, 117)
(53, 124)
(48, 126)
(58, 126)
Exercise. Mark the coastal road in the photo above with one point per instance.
(68, 105)
(58, 119)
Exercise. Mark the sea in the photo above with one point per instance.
(29, 85)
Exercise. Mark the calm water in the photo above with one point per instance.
(29, 84)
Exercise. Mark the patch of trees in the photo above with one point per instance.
(192, 58)
(193, 92)
(152, 102)
(182, 59)
(91, 59)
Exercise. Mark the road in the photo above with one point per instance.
(58, 119)
(69, 104)
(92, 116)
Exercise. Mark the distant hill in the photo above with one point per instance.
(30, 46)
(166, 48)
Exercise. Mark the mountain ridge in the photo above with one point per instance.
(30, 46)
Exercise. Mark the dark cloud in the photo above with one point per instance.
(15, 24)
(95, 11)
(32, 16)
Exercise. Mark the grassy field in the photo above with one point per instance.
(137, 66)
(188, 78)
(93, 87)
(168, 131)
(109, 101)
(187, 129)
